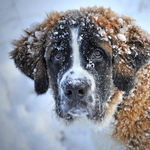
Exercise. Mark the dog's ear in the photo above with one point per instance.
(28, 56)
(126, 64)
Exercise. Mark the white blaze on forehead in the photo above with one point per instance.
(75, 47)
(76, 71)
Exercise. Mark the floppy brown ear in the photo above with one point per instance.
(126, 65)
(28, 56)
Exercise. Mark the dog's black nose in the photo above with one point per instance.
(77, 90)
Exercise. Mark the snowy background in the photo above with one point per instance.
(26, 120)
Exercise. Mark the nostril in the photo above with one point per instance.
(76, 91)
(69, 92)
(81, 92)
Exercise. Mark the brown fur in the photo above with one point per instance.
(131, 61)
(133, 120)
(107, 47)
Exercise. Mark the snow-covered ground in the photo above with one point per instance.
(26, 120)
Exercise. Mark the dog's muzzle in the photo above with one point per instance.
(76, 93)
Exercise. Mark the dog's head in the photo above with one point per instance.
(87, 57)
(80, 67)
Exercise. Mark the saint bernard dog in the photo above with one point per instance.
(97, 64)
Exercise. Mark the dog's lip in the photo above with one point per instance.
(75, 112)
(82, 104)
(78, 110)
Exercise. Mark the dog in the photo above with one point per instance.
(97, 64)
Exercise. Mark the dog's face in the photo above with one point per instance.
(87, 57)
(80, 69)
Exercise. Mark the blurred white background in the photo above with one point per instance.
(26, 120)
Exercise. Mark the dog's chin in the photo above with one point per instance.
(74, 113)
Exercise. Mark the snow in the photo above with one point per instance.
(34, 26)
(96, 17)
(104, 135)
(30, 39)
(120, 21)
(34, 70)
(38, 34)
(27, 121)
(102, 32)
(55, 33)
(121, 37)
(122, 30)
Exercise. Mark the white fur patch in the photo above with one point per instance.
(75, 48)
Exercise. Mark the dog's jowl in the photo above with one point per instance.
(97, 65)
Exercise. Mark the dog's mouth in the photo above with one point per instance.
(75, 110)
(69, 112)
(79, 97)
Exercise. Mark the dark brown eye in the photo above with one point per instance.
(97, 54)
(58, 56)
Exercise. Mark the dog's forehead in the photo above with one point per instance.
(61, 36)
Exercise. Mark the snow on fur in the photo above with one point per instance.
(132, 122)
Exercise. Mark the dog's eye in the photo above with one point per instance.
(58, 56)
(97, 54)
